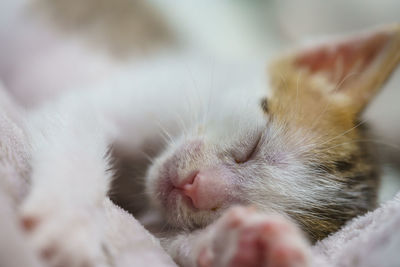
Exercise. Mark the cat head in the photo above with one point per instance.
(298, 149)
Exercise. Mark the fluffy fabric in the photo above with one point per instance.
(13, 186)
(370, 240)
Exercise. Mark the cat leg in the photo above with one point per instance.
(242, 237)
(70, 139)
(63, 213)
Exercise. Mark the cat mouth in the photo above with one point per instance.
(176, 197)
(172, 196)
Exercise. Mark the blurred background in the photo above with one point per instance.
(49, 46)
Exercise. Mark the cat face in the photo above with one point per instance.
(298, 149)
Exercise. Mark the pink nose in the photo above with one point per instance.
(207, 190)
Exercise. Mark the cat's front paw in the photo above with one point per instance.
(65, 235)
(245, 237)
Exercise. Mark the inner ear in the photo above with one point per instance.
(342, 61)
(354, 66)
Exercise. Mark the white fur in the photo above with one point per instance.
(70, 138)
(162, 97)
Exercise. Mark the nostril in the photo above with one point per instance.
(190, 187)
(188, 180)
(206, 189)
(191, 190)
(203, 196)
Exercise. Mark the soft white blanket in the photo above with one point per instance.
(370, 240)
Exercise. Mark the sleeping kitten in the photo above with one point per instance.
(302, 151)
(294, 148)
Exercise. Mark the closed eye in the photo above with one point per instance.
(249, 151)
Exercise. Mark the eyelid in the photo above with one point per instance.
(250, 153)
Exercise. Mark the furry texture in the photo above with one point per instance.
(301, 152)
(370, 240)
(70, 139)
(124, 240)
(70, 130)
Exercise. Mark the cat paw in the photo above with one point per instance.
(245, 237)
(70, 237)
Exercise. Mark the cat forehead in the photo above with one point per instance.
(235, 115)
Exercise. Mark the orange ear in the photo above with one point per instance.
(355, 67)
